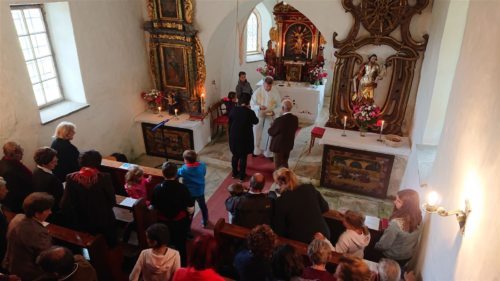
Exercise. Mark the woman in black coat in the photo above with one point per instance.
(67, 153)
(89, 198)
(241, 121)
(298, 212)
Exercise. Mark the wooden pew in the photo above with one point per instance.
(105, 261)
(117, 172)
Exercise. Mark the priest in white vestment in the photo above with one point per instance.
(266, 103)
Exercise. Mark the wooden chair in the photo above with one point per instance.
(316, 133)
(219, 118)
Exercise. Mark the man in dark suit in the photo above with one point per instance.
(254, 207)
(241, 121)
(282, 132)
(18, 177)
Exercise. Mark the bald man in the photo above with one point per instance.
(282, 133)
(254, 207)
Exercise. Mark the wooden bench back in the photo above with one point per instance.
(144, 217)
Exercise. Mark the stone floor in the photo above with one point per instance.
(306, 166)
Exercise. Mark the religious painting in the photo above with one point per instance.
(169, 9)
(293, 72)
(356, 171)
(298, 41)
(175, 72)
(166, 141)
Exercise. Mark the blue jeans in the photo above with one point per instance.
(203, 208)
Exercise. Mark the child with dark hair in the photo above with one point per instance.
(193, 177)
(230, 102)
(159, 262)
(236, 190)
(201, 261)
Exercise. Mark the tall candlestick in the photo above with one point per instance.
(159, 111)
(175, 111)
(284, 47)
(345, 123)
(307, 51)
(381, 129)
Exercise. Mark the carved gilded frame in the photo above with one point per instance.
(165, 11)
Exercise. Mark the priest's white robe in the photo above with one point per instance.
(272, 100)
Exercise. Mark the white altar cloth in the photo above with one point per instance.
(201, 131)
(368, 143)
(307, 99)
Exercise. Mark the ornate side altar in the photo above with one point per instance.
(307, 99)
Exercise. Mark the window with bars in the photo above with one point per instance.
(254, 33)
(35, 44)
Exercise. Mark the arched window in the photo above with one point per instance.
(254, 33)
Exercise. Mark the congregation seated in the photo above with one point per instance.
(202, 261)
(159, 262)
(27, 237)
(58, 263)
(298, 211)
(43, 178)
(254, 263)
(287, 264)
(319, 253)
(68, 153)
(89, 198)
(18, 177)
(253, 207)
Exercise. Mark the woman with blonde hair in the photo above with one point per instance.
(298, 211)
(400, 239)
(67, 153)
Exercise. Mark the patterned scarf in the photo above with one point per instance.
(86, 176)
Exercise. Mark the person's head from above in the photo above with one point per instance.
(38, 205)
(3, 188)
(189, 156)
(268, 83)
(90, 159)
(319, 252)
(286, 105)
(285, 179)
(169, 170)
(257, 182)
(157, 235)
(46, 157)
(65, 130)
(354, 220)
(372, 58)
(244, 99)
(13, 151)
(236, 189)
(388, 270)
(57, 260)
(242, 76)
(407, 207)
(261, 241)
(204, 252)
(134, 174)
(352, 269)
(286, 263)
(231, 96)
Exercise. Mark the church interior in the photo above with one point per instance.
(146, 79)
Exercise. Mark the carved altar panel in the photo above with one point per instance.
(380, 19)
(176, 56)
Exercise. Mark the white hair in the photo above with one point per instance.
(389, 270)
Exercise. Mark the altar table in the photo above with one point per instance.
(307, 99)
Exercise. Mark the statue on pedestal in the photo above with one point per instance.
(270, 54)
(366, 79)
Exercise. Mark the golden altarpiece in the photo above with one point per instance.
(381, 19)
(176, 57)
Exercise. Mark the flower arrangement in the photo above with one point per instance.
(317, 74)
(154, 98)
(267, 70)
(366, 114)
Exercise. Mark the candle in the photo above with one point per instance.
(159, 109)
(284, 47)
(345, 121)
(382, 126)
(307, 53)
(175, 111)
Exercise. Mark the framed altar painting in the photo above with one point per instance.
(166, 141)
(175, 62)
(169, 9)
(356, 171)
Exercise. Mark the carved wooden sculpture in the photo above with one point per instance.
(380, 18)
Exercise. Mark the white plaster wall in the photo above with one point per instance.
(114, 69)
(467, 164)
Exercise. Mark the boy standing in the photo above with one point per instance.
(193, 176)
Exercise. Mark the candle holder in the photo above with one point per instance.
(343, 133)
(345, 124)
(159, 112)
(381, 129)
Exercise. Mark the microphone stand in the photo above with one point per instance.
(156, 127)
